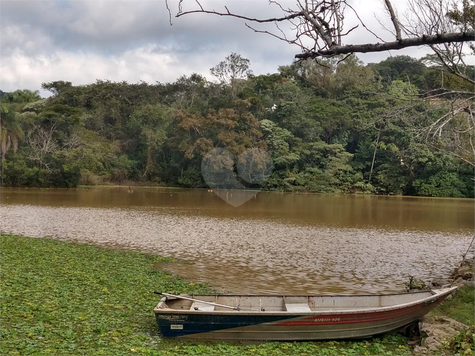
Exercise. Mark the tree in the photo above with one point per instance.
(51, 133)
(10, 129)
(149, 124)
(191, 93)
(319, 27)
(193, 136)
(403, 68)
(230, 71)
(21, 96)
(57, 87)
(232, 68)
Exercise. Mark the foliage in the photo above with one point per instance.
(17, 173)
(464, 342)
(71, 299)
(333, 126)
(387, 345)
(401, 68)
(232, 68)
(461, 306)
(61, 298)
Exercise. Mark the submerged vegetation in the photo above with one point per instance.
(338, 126)
(63, 298)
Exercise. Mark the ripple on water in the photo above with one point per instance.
(253, 256)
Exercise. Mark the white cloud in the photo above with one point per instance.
(25, 38)
(122, 41)
(20, 70)
(147, 63)
(84, 40)
(98, 20)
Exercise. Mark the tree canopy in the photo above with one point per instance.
(335, 126)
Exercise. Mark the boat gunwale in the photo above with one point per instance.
(436, 293)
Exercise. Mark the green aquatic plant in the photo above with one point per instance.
(464, 342)
(63, 298)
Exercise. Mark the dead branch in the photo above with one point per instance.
(228, 13)
(380, 47)
(448, 62)
(430, 17)
(318, 27)
(457, 108)
(394, 19)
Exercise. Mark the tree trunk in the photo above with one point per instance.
(374, 156)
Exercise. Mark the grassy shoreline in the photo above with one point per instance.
(75, 299)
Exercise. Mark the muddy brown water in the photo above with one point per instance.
(274, 243)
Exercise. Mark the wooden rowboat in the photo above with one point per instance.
(291, 317)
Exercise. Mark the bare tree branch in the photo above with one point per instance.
(458, 107)
(379, 47)
(228, 13)
(318, 26)
(432, 17)
(449, 64)
(394, 19)
(324, 33)
(460, 157)
(42, 143)
(169, 13)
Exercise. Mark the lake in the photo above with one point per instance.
(273, 243)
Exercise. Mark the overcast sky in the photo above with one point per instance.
(132, 40)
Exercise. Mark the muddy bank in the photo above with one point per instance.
(437, 332)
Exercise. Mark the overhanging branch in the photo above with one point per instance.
(380, 47)
(229, 14)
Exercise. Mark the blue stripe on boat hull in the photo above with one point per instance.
(187, 324)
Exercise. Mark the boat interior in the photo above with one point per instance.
(297, 304)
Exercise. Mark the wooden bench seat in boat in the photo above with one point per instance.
(202, 306)
(297, 307)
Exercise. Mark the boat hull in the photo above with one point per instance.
(279, 326)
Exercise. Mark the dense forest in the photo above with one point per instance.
(333, 126)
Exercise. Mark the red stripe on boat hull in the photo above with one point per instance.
(357, 317)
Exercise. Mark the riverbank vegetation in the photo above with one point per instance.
(460, 307)
(450, 328)
(71, 299)
(401, 126)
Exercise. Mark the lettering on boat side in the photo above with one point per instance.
(176, 327)
(174, 317)
(327, 319)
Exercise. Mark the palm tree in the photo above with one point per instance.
(21, 96)
(10, 128)
(10, 131)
